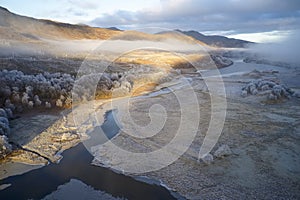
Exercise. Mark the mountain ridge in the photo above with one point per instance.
(216, 40)
(23, 28)
(17, 27)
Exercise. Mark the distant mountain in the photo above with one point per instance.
(216, 40)
(16, 27)
(114, 29)
(162, 36)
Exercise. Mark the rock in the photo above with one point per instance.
(208, 159)
(223, 151)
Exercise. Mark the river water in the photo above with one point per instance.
(76, 164)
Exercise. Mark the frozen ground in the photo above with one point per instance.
(263, 137)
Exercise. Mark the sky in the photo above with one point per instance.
(253, 20)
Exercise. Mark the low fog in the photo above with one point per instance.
(65, 47)
(284, 51)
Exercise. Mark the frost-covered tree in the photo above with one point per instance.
(68, 101)
(30, 104)
(37, 100)
(29, 90)
(59, 103)
(273, 90)
(3, 113)
(16, 97)
(22, 88)
(5, 147)
(9, 105)
(25, 98)
(9, 113)
(47, 104)
(4, 126)
(114, 76)
(5, 91)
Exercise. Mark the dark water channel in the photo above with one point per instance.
(75, 164)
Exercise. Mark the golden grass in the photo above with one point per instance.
(162, 59)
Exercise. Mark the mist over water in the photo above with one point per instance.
(88, 46)
(286, 50)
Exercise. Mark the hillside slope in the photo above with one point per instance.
(16, 27)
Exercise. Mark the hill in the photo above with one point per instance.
(216, 40)
(21, 28)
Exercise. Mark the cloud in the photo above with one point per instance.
(90, 5)
(77, 12)
(206, 15)
(262, 37)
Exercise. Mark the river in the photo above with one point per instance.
(76, 164)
